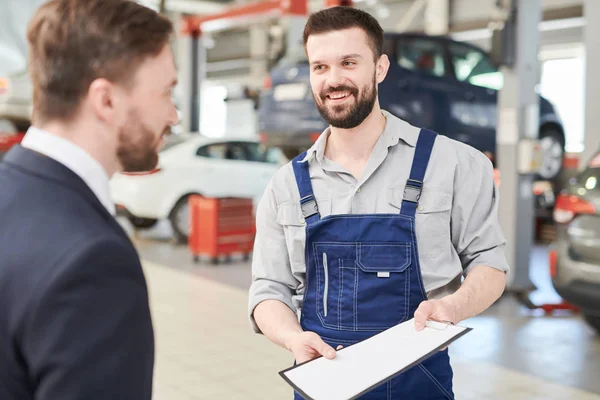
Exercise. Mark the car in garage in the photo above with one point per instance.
(575, 257)
(15, 109)
(433, 82)
(8, 140)
(194, 164)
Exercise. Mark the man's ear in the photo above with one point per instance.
(103, 99)
(382, 67)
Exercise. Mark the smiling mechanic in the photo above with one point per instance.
(376, 223)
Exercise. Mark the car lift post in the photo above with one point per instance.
(515, 48)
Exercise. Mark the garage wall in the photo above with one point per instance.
(230, 56)
(13, 26)
(464, 14)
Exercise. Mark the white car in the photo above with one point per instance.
(211, 167)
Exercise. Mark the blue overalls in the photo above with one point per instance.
(363, 276)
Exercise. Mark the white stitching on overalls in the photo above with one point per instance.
(435, 381)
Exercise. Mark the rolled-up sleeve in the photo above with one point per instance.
(272, 277)
(476, 231)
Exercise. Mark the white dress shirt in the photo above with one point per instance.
(74, 158)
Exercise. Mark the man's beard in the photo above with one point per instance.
(345, 116)
(137, 151)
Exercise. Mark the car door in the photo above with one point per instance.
(397, 93)
(222, 169)
(473, 98)
(417, 84)
(261, 165)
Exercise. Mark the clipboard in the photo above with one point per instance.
(361, 367)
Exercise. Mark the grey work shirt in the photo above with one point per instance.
(457, 224)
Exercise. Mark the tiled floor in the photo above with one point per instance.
(206, 349)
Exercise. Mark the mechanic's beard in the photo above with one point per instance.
(354, 114)
(137, 150)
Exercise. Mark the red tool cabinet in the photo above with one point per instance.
(221, 227)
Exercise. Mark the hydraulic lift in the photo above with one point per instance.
(515, 48)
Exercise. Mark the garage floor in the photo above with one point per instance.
(206, 349)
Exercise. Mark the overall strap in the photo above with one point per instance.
(414, 185)
(308, 203)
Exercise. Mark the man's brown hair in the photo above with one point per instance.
(344, 17)
(74, 42)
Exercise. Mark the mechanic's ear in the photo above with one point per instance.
(383, 64)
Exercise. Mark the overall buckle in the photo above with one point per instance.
(309, 206)
(412, 190)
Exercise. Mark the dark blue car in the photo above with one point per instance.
(433, 82)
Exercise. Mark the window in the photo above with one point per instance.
(236, 151)
(216, 150)
(260, 153)
(473, 66)
(421, 55)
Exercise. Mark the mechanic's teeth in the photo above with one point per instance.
(338, 96)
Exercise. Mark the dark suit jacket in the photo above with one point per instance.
(74, 316)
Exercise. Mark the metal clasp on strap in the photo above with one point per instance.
(309, 206)
(412, 190)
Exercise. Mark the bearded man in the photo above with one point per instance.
(375, 224)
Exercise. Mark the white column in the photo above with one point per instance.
(518, 117)
(437, 17)
(259, 48)
(294, 28)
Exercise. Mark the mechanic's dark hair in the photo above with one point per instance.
(74, 42)
(345, 17)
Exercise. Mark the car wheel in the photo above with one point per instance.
(142, 223)
(553, 149)
(180, 220)
(593, 321)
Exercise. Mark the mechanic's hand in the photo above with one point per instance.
(436, 310)
(308, 345)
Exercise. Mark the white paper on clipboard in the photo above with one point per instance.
(363, 366)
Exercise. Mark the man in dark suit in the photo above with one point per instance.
(74, 315)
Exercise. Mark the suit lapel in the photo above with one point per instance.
(43, 167)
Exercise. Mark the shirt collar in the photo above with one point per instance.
(395, 130)
(74, 158)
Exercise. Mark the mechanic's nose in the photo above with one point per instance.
(335, 78)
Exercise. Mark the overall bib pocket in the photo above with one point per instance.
(362, 286)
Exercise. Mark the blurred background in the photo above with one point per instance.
(516, 79)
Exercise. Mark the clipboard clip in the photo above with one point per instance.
(440, 326)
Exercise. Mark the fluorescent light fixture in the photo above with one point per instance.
(186, 6)
(544, 26)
